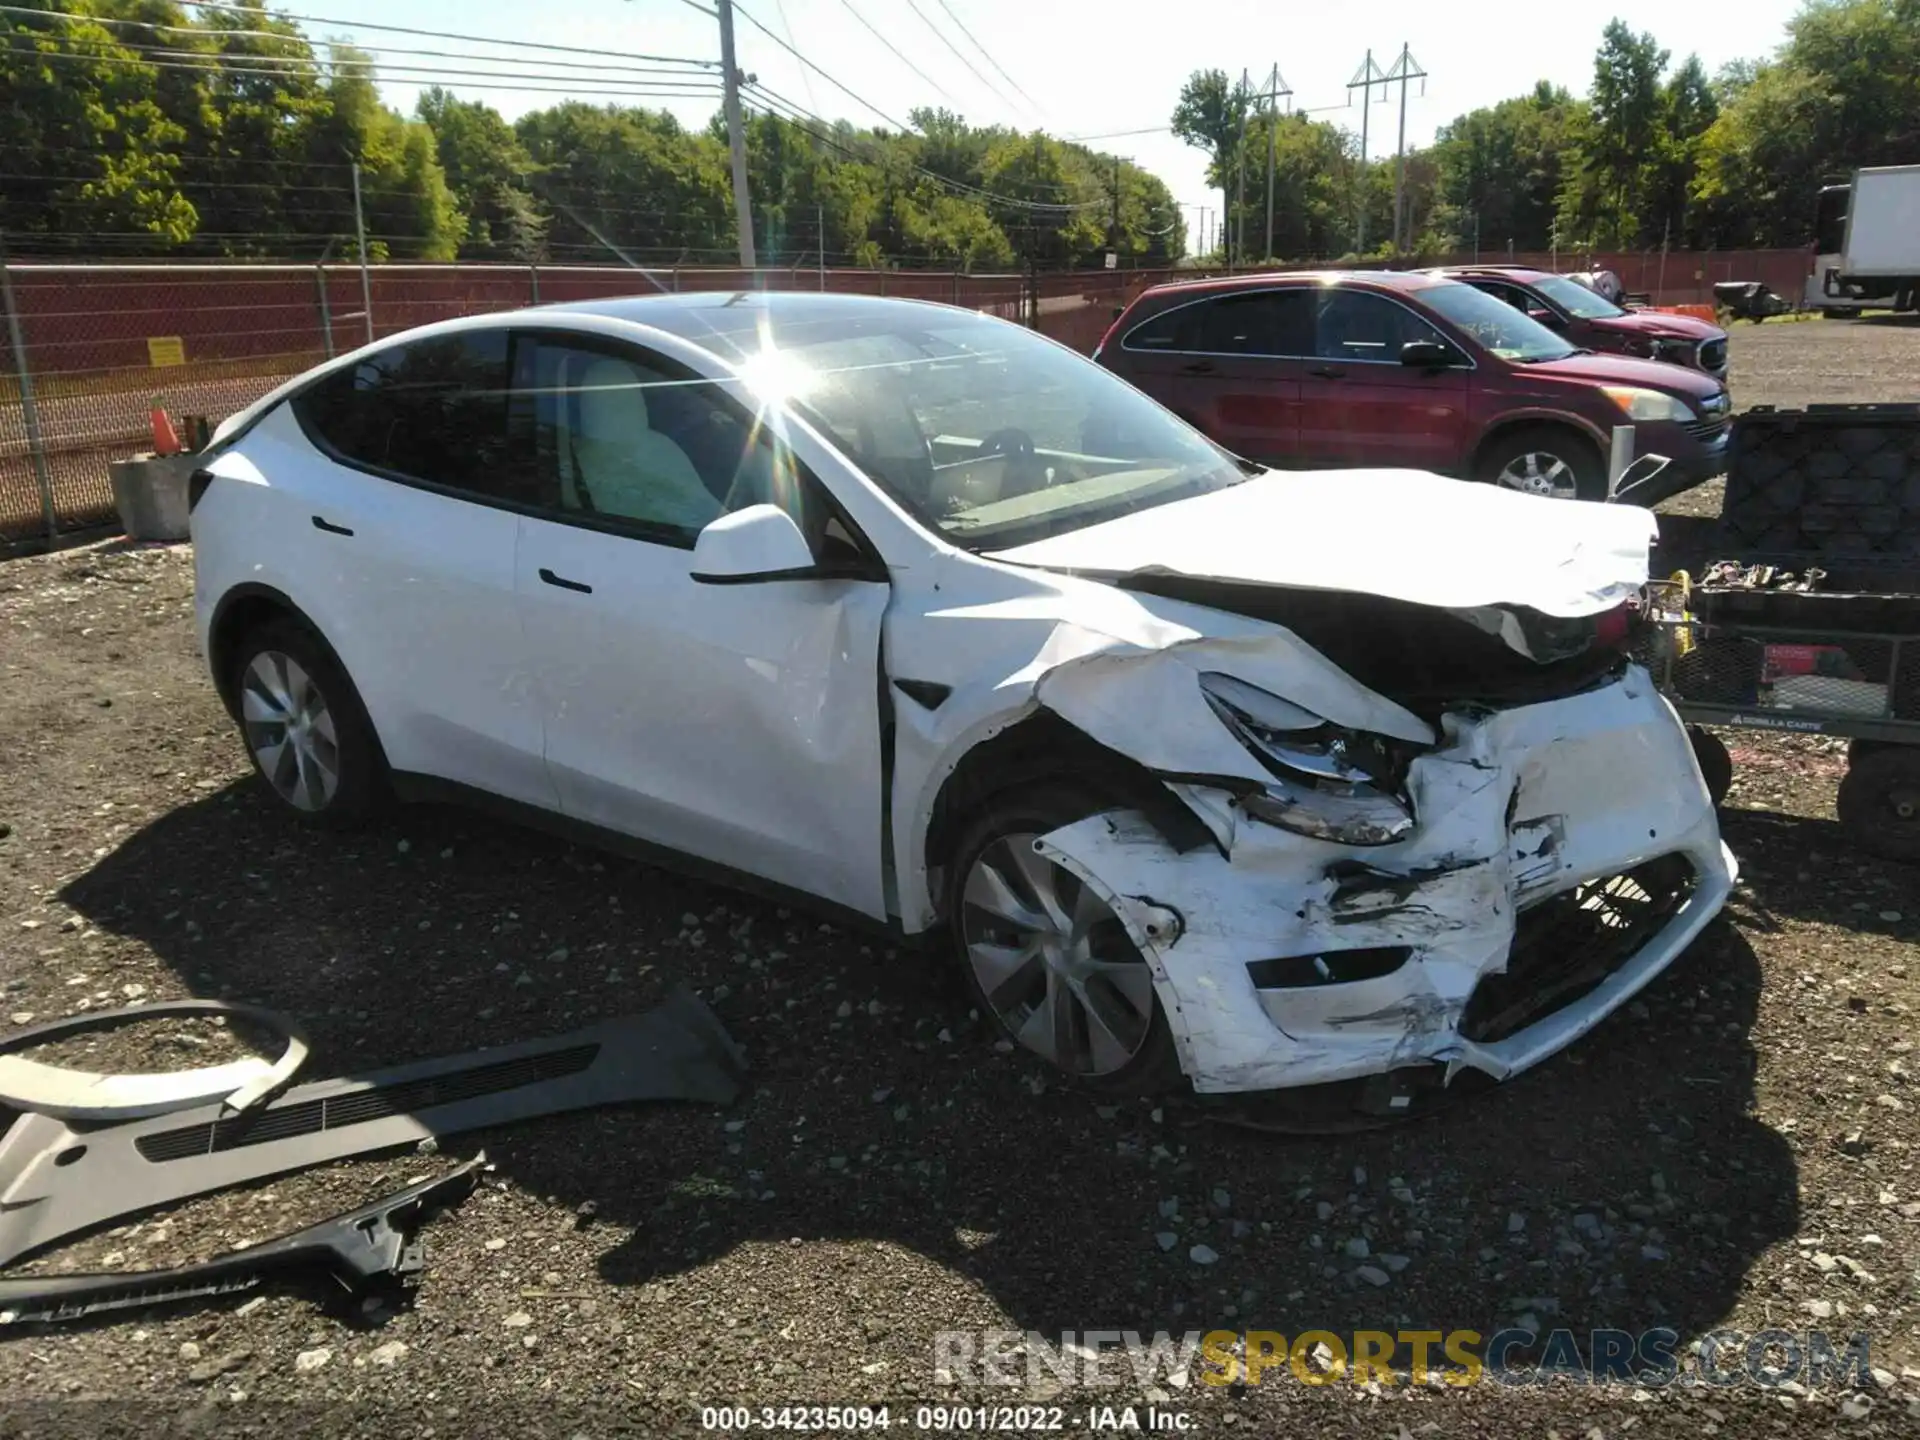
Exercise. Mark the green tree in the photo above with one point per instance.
(90, 145)
(487, 170)
(1499, 172)
(1618, 143)
(1689, 107)
(629, 180)
(1842, 92)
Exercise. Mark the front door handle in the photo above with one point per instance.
(1327, 372)
(1198, 367)
(565, 584)
(330, 527)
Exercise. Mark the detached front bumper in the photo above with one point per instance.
(1566, 853)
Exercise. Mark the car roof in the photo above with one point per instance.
(729, 323)
(1509, 272)
(1402, 280)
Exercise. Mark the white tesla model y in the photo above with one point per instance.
(1258, 779)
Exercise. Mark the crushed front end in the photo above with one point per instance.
(1557, 855)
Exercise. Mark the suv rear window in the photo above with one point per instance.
(432, 410)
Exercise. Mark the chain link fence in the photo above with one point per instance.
(87, 350)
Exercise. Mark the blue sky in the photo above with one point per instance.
(1090, 67)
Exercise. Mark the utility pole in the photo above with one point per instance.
(736, 136)
(1364, 79)
(1404, 69)
(1276, 87)
(1237, 229)
(360, 228)
(1113, 234)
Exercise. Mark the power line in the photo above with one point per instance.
(1119, 134)
(747, 16)
(253, 13)
(806, 75)
(896, 50)
(960, 55)
(312, 57)
(989, 57)
(691, 88)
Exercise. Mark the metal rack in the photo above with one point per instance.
(1808, 664)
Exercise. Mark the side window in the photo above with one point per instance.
(1356, 325)
(1518, 299)
(432, 410)
(1265, 322)
(622, 435)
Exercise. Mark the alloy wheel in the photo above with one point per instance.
(1053, 961)
(1540, 472)
(290, 730)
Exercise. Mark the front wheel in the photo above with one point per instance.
(1545, 460)
(1715, 762)
(1047, 957)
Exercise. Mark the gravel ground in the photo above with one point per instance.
(1734, 1150)
(1792, 363)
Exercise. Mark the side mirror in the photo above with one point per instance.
(759, 542)
(1547, 318)
(1427, 355)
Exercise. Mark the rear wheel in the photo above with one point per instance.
(304, 726)
(1879, 802)
(1546, 460)
(1047, 957)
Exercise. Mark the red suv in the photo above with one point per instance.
(1383, 368)
(1594, 322)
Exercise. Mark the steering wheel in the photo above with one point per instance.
(1024, 472)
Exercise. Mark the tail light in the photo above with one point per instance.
(1119, 314)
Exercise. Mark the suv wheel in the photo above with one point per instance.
(1046, 956)
(305, 728)
(1546, 460)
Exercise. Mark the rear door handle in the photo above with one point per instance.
(1198, 367)
(329, 527)
(565, 584)
(1328, 372)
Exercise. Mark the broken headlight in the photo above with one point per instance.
(1329, 783)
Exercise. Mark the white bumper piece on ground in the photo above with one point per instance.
(1514, 809)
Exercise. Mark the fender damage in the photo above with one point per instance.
(1283, 960)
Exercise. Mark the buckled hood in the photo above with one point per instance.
(1402, 534)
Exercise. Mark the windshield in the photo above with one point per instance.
(1575, 298)
(986, 432)
(1495, 324)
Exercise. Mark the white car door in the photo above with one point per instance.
(408, 532)
(738, 723)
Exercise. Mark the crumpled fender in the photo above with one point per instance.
(1201, 917)
(1125, 670)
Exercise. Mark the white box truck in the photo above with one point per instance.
(1867, 243)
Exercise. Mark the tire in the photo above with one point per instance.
(1103, 1028)
(1858, 747)
(326, 768)
(1879, 802)
(1544, 460)
(1716, 764)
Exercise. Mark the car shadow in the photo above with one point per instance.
(1612, 1186)
(1780, 856)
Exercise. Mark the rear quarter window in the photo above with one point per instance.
(431, 409)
